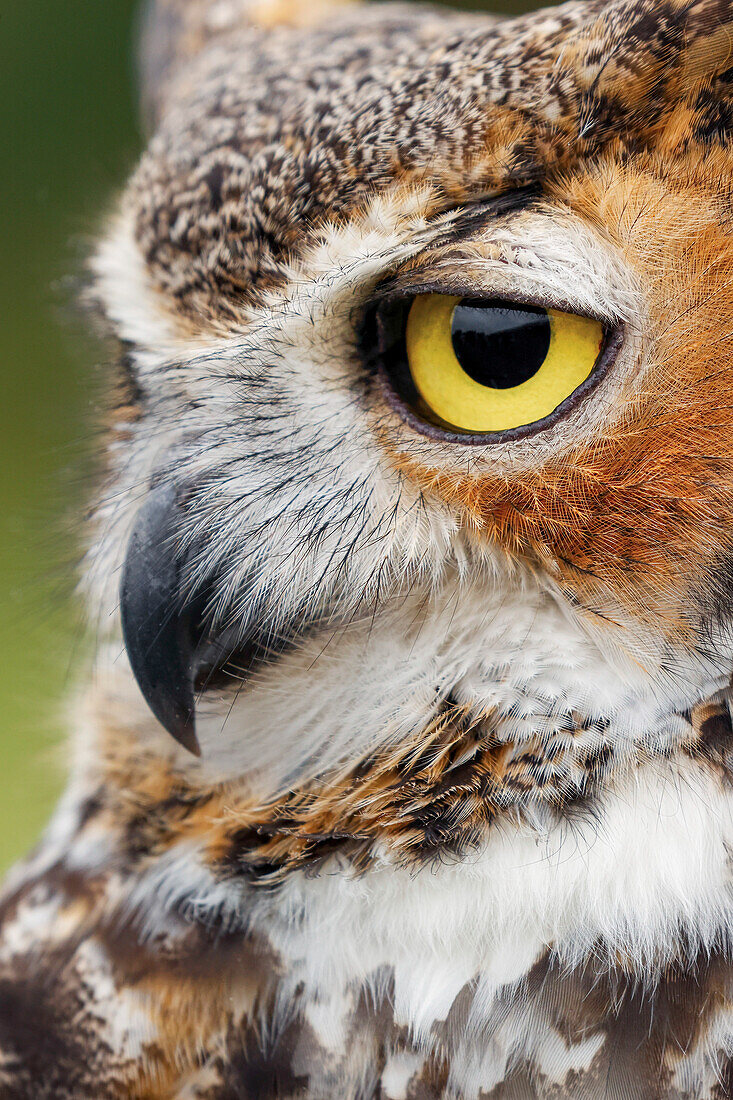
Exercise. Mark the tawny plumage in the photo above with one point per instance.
(403, 771)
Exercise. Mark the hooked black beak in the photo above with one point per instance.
(163, 630)
(171, 644)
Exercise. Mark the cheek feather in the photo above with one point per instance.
(642, 511)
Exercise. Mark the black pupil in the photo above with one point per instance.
(499, 344)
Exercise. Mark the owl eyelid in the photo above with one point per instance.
(396, 290)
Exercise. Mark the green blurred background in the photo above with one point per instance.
(69, 131)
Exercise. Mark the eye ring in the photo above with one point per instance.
(383, 341)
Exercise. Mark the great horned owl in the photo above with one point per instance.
(417, 538)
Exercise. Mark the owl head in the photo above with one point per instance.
(426, 453)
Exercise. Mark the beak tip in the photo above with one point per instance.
(185, 735)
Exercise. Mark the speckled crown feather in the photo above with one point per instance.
(261, 138)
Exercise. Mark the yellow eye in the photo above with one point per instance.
(487, 365)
